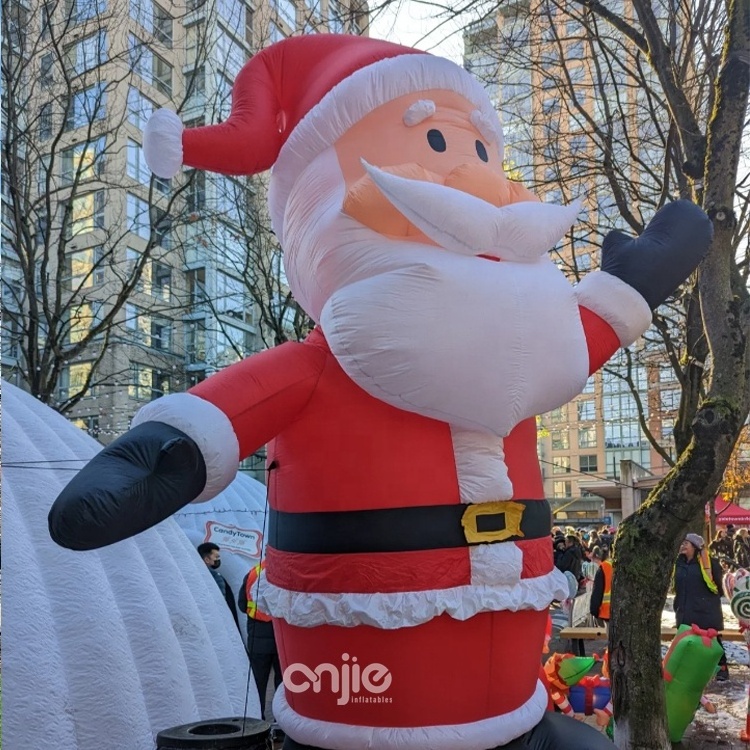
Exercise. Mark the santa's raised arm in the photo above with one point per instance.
(407, 509)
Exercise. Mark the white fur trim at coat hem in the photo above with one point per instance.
(208, 426)
(617, 302)
(394, 610)
(477, 735)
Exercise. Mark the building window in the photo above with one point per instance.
(138, 216)
(286, 10)
(83, 10)
(560, 440)
(140, 108)
(88, 53)
(230, 54)
(275, 33)
(196, 191)
(232, 298)
(559, 414)
(667, 430)
(87, 213)
(232, 12)
(589, 463)
(162, 26)
(149, 66)
(73, 381)
(195, 342)
(82, 319)
(587, 437)
(89, 424)
(86, 107)
(162, 281)
(84, 268)
(622, 435)
(232, 345)
(590, 386)
(196, 279)
(137, 167)
(336, 17)
(46, 64)
(84, 161)
(669, 399)
(561, 465)
(586, 410)
(45, 121)
(148, 383)
(148, 330)
(667, 375)
(562, 489)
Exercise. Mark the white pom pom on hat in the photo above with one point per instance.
(162, 143)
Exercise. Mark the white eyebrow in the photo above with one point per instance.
(418, 112)
(482, 123)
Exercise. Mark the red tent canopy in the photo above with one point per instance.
(727, 513)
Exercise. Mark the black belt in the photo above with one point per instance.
(409, 529)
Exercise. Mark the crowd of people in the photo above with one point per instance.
(583, 555)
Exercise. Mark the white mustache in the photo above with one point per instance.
(465, 224)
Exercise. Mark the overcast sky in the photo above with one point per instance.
(415, 25)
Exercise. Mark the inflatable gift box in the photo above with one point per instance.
(589, 694)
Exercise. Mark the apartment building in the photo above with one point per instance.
(558, 99)
(119, 287)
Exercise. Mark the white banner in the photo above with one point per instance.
(246, 542)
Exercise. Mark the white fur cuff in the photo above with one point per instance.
(477, 735)
(162, 143)
(208, 426)
(617, 302)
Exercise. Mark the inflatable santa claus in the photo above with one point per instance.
(409, 565)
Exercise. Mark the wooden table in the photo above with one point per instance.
(667, 634)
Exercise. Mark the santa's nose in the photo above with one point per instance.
(481, 182)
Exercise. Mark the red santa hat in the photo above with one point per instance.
(295, 98)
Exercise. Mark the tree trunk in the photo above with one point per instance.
(634, 633)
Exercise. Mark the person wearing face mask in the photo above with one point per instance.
(211, 555)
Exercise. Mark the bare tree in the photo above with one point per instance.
(646, 102)
(89, 236)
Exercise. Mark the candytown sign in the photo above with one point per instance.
(247, 542)
(347, 680)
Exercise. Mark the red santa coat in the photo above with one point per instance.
(333, 448)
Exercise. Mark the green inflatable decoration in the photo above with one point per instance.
(688, 666)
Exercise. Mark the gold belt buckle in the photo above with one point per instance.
(511, 512)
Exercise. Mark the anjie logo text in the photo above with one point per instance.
(346, 681)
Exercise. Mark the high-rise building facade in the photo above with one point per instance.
(119, 287)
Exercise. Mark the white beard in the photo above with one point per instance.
(478, 344)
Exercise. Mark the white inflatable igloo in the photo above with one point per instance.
(236, 520)
(102, 649)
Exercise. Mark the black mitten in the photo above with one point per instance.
(669, 250)
(142, 478)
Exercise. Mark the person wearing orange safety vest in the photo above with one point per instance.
(261, 643)
(601, 592)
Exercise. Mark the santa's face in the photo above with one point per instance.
(388, 237)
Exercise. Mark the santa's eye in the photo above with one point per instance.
(481, 151)
(436, 140)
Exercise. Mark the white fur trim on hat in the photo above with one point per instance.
(617, 302)
(208, 426)
(357, 96)
(162, 143)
